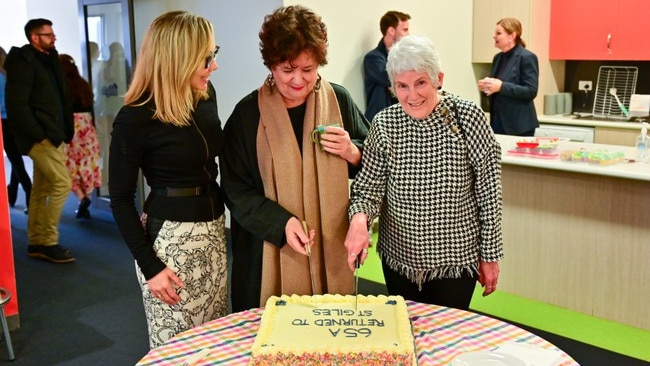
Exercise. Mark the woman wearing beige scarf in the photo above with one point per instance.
(275, 177)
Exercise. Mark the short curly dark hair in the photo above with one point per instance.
(288, 32)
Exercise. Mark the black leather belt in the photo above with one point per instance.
(182, 192)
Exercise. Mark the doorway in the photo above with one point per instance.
(106, 28)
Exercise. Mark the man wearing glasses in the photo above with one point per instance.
(39, 109)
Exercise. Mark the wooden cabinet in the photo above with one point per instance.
(486, 15)
(616, 136)
(599, 30)
(579, 242)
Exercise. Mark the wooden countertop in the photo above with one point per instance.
(630, 169)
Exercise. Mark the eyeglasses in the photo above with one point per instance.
(49, 35)
(209, 59)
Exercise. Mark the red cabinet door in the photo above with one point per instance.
(582, 29)
(632, 39)
(599, 30)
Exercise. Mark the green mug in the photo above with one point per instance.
(319, 131)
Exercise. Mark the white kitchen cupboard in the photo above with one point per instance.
(486, 15)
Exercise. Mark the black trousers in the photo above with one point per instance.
(497, 127)
(18, 172)
(450, 292)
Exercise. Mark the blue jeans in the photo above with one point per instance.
(50, 190)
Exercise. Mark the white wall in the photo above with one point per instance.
(353, 29)
(12, 21)
(62, 13)
(236, 31)
(352, 32)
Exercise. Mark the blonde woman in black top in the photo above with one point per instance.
(170, 129)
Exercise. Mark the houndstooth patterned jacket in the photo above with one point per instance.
(436, 185)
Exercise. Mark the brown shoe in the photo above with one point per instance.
(52, 253)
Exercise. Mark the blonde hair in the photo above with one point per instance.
(175, 45)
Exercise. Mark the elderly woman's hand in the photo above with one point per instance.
(357, 239)
(488, 276)
(337, 141)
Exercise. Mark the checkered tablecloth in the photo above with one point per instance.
(440, 334)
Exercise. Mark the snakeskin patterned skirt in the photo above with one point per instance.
(196, 251)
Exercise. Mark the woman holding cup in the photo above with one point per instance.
(286, 193)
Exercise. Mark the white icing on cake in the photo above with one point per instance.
(326, 329)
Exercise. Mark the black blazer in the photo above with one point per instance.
(513, 105)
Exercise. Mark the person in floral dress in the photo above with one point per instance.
(83, 153)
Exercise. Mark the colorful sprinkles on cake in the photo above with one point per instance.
(319, 359)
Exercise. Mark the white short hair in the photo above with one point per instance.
(414, 53)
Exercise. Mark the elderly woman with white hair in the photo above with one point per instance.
(431, 170)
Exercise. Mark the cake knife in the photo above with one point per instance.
(308, 250)
(356, 283)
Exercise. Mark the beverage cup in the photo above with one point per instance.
(549, 105)
(318, 132)
(568, 102)
(559, 103)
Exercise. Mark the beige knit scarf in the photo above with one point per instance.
(313, 187)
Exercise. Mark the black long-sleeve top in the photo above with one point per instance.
(169, 156)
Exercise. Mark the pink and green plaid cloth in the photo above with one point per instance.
(441, 334)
